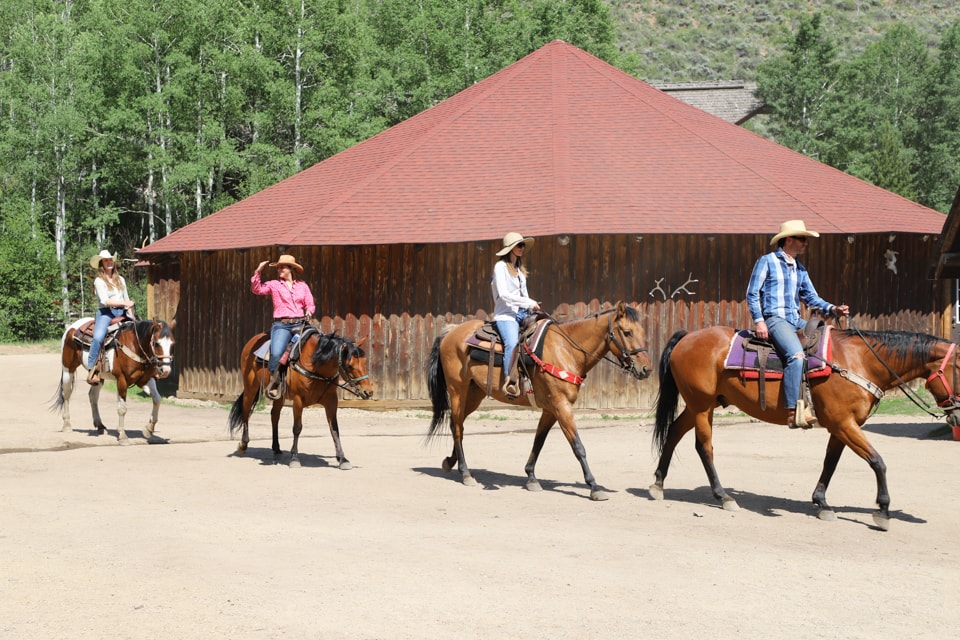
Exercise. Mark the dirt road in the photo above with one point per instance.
(188, 540)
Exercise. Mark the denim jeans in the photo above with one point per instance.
(104, 316)
(783, 335)
(280, 335)
(510, 334)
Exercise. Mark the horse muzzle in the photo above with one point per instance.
(953, 417)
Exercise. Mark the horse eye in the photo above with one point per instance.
(628, 334)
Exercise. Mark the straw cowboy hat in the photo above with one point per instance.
(103, 255)
(288, 260)
(511, 240)
(793, 228)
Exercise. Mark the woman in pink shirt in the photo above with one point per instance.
(292, 307)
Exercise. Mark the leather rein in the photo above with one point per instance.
(349, 384)
(151, 359)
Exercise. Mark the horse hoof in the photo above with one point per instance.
(345, 465)
(599, 495)
(241, 448)
(468, 481)
(447, 466)
(882, 521)
(827, 515)
(656, 492)
(533, 485)
(730, 505)
(294, 463)
(124, 443)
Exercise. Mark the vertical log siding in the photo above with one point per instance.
(400, 297)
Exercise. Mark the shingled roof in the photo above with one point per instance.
(559, 142)
(733, 101)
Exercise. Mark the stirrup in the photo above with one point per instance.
(273, 387)
(511, 388)
(93, 376)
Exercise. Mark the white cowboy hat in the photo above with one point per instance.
(103, 255)
(793, 228)
(511, 240)
(289, 261)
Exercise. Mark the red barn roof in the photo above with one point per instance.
(559, 142)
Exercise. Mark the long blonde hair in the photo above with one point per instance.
(112, 278)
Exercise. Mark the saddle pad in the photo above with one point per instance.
(263, 353)
(746, 360)
(480, 345)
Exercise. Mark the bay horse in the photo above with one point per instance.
(312, 378)
(143, 352)
(864, 365)
(457, 382)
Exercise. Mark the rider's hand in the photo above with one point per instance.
(762, 331)
(262, 265)
(841, 310)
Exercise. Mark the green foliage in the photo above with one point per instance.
(28, 271)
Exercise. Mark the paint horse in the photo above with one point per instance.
(458, 382)
(318, 364)
(135, 353)
(864, 364)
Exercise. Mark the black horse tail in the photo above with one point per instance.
(668, 397)
(57, 401)
(236, 420)
(437, 383)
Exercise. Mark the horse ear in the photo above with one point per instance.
(360, 342)
(621, 308)
(173, 324)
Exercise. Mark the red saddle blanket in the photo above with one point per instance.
(744, 356)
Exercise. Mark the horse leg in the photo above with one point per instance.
(679, 428)
(834, 448)
(94, 396)
(704, 448)
(151, 426)
(851, 435)
(66, 390)
(547, 420)
(275, 422)
(121, 410)
(569, 427)
(331, 410)
(462, 405)
(297, 428)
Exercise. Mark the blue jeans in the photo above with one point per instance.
(783, 335)
(280, 335)
(103, 318)
(510, 334)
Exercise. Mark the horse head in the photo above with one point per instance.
(944, 389)
(161, 343)
(628, 341)
(353, 368)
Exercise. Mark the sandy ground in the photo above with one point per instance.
(189, 540)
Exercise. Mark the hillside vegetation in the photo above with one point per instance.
(687, 40)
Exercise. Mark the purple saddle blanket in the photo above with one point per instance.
(745, 356)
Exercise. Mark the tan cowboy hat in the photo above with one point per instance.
(793, 228)
(103, 255)
(511, 240)
(287, 260)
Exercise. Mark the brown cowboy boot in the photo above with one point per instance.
(273, 388)
(511, 382)
(93, 376)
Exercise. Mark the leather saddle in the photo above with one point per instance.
(486, 346)
(83, 335)
(262, 353)
(756, 359)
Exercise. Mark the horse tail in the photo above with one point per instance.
(668, 397)
(57, 401)
(437, 382)
(236, 419)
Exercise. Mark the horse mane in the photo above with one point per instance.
(329, 345)
(631, 312)
(900, 343)
(144, 329)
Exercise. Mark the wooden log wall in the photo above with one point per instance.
(399, 297)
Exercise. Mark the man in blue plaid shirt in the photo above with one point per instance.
(777, 285)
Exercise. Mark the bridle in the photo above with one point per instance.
(151, 359)
(625, 356)
(350, 383)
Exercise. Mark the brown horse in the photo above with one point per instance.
(312, 378)
(457, 382)
(143, 353)
(864, 365)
